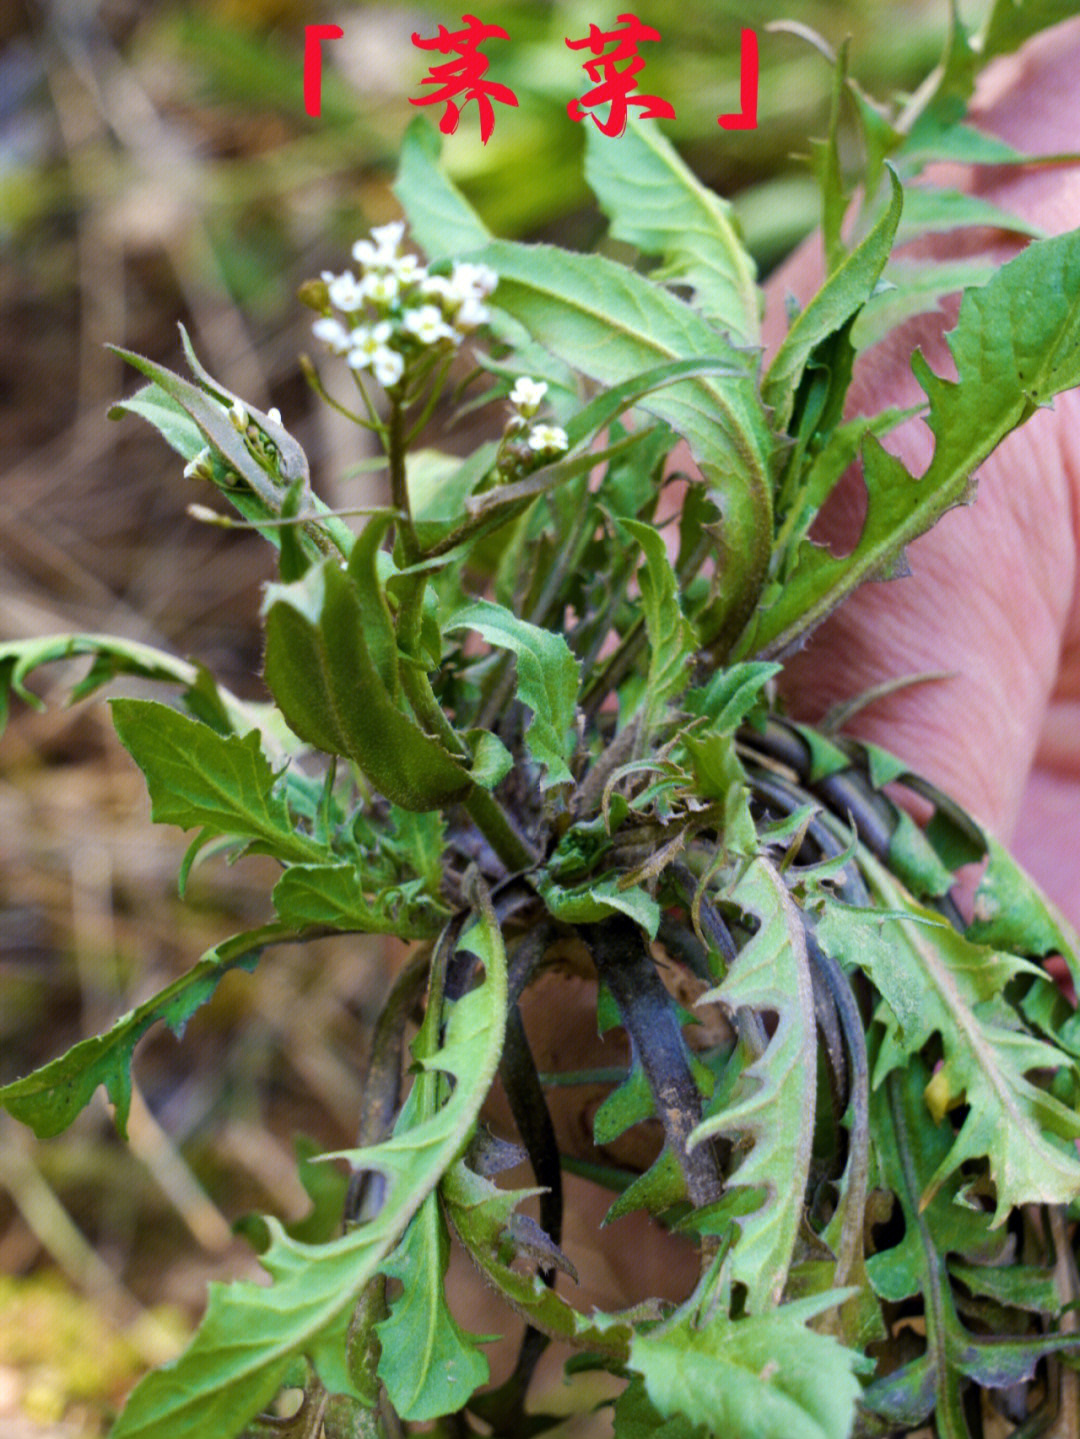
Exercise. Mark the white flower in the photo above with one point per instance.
(364, 253)
(273, 414)
(436, 285)
(380, 287)
(408, 269)
(471, 313)
(427, 324)
(366, 342)
(473, 281)
(345, 292)
(239, 416)
(388, 237)
(527, 394)
(388, 366)
(548, 439)
(333, 333)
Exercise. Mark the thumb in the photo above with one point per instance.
(992, 598)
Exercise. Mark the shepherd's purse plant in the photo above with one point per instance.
(521, 720)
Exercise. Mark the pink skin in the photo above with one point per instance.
(994, 596)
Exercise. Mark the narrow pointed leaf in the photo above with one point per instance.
(655, 202)
(49, 1099)
(252, 1333)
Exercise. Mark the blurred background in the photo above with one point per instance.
(156, 165)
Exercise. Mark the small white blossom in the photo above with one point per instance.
(436, 285)
(427, 324)
(388, 237)
(549, 439)
(408, 269)
(364, 253)
(471, 313)
(273, 414)
(527, 394)
(200, 467)
(388, 366)
(333, 333)
(239, 416)
(382, 288)
(473, 281)
(345, 292)
(366, 342)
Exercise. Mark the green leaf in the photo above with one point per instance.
(322, 674)
(50, 1098)
(933, 980)
(932, 211)
(380, 637)
(428, 1364)
(767, 1376)
(1010, 22)
(251, 1333)
(200, 779)
(671, 636)
(612, 325)
(482, 1217)
(310, 895)
(547, 680)
(592, 902)
(910, 1152)
(637, 1418)
(845, 291)
(441, 219)
(731, 694)
(114, 656)
(1015, 347)
(914, 288)
(1010, 913)
(167, 416)
(656, 203)
(773, 1103)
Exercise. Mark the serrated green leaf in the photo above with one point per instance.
(251, 1333)
(1010, 913)
(637, 1418)
(934, 980)
(767, 1376)
(590, 903)
(441, 219)
(914, 288)
(731, 694)
(198, 778)
(429, 1365)
(672, 641)
(547, 680)
(481, 1215)
(310, 895)
(845, 291)
(657, 204)
(322, 674)
(1016, 344)
(929, 210)
(773, 1103)
(1010, 22)
(49, 1099)
(612, 324)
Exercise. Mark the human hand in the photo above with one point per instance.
(994, 596)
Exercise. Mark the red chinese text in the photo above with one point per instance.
(746, 119)
(314, 35)
(463, 76)
(614, 76)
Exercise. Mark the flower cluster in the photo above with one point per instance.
(528, 442)
(394, 311)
